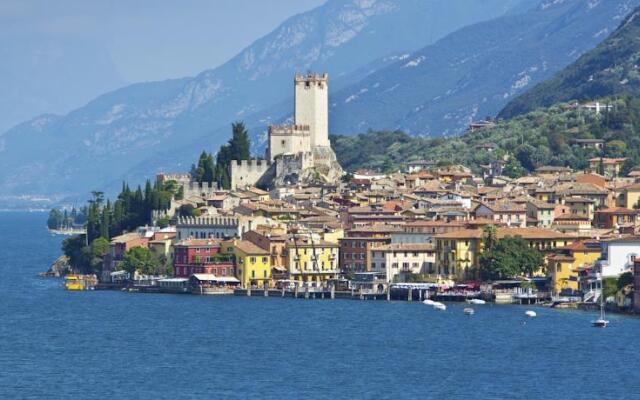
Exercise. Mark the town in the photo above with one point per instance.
(296, 224)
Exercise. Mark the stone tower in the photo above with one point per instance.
(312, 106)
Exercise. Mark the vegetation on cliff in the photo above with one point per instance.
(542, 137)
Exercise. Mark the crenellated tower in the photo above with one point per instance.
(312, 106)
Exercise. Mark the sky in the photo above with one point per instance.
(151, 40)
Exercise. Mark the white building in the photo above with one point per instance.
(617, 256)
(395, 260)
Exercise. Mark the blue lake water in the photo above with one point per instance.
(97, 345)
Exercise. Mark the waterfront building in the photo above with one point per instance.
(312, 261)
(201, 256)
(618, 256)
(458, 253)
(118, 247)
(355, 251)
(253, 263)
(273, 240)
(564, 265)
(397, 261)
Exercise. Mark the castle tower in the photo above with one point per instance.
(312, 106)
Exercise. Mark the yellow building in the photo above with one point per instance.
(609, 167)
(458, 253)
(564, 265)
(629, 196)
(312, 261)
(581, 206)
(253, 264)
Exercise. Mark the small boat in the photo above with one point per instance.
(468, 311)
(428, 302)
(439, 306)
(600, 322)
(476, 301)
(530, 313)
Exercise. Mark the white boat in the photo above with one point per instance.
(530, 313)
(439, 306)
(476, 301)
(428, 302)
(600, 322)
(468, 311)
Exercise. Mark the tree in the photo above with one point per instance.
(513, 169)
(625, 280)
(55, 219)
(187, 210)
(140, 259)
(240, 145)
(508, 258)
(74, 248)
(99, 248)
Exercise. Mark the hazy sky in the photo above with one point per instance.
(151, 40)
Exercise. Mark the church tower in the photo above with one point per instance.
(312, 106)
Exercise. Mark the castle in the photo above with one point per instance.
(298, 153)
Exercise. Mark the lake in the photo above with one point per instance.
(96, 345)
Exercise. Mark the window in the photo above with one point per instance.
(394, 265)
(264, 260)
(252, 260)
(373, 265)
(253, 273)
(405, 265)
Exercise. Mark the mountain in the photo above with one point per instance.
(140, 129)
(475, 71)
(611, 68)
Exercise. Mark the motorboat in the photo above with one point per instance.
(530, 313)
(428, 302)
(469, 311)
(477, 301)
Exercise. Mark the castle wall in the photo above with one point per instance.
(312, 106)
(247, 172)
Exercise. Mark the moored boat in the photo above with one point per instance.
(469, 311)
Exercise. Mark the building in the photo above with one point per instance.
(614, 218)
(296, 153)
(118, 247)
(564, 265)
(507, 213)
(273, 240)
(609, 167)
(618, 256)
(397, 261)
(201, 256)
(312, 262)
(218, 227)
(540, 213)
(458, 253)
(355, 252)
(253, 265)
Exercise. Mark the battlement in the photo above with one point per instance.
(288, 130)
(162, 177)
(255, 163)
(310, 77)
(207, 221)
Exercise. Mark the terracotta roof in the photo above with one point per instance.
(406, 247)
(248, 247)
(501, 232)
(616, 210)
